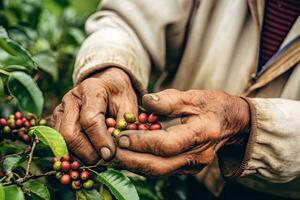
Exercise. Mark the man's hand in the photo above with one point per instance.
(80, 118)
(209, 121)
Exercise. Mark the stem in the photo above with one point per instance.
(30, 157)
(2, 178)
(98, 164)
(23, 180)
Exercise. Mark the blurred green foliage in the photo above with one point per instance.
(52, 31)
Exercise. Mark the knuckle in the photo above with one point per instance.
(89, 119)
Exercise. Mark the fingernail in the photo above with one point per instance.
(105, 153)
(124, 142)
(153, 97)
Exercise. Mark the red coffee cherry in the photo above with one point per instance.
(111, 130)
(142, 127)
(65, 165)
(21, 133)
(19, 122)
(65, 158)
(84, 175)
(26, 138)
(65, 179)
(57, 165)
(29, 116)
(143, 117)
(110, 122)
(3, 122)
(18, 115)
(26, 124)
(75, 165)
(54, 160)
(89, 184)
(152, 118)
(155, 126)
(74, 175)
(129, 117)
(132, 126)
(76, 185)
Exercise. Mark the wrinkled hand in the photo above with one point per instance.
(80, 118)
(209, 120)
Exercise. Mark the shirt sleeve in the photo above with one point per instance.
(272, 152)
(132, 35)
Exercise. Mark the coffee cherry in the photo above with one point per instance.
(121, 124)
(3, 122)
(84, 175)
(54, 160)
(143, 117)
(65, 158)
(18, 115)
(32, 122)
(11, 122)
(152, 118)
(74, 175)
(29, 116)
(132, 126)
(11, 117)
(26, 138)
(129, 117)
(65, 166)
(75, 165)
(65, 179)
(21, 133)
(6, 129)
(19, 122)
(155, 126)
(26, 124)
(57, 166)
(142, 127)
(89, 184)
(110, 122)
(76, 185)
(58, 175)
(116, 132)
(111, 130)
(42, 122)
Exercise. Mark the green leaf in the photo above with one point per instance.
(2, 93)
(144, 189)
(88, 195)
(14, 49)
(2, 193)
(46, 62)
(28, 95)
(119, 184)
(104, 191)
(13, 192)
(37, 188)
(52, 138)
(10, 163)
(11, 68)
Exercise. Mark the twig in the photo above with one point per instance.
(30, 157)
(98, 164)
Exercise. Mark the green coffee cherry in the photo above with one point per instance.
(42, 122)
(89, 184)
(57, 166)
(6, 129)
(129, 117)
(121, 124)
(116, 132)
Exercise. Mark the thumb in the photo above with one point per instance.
(169, 102)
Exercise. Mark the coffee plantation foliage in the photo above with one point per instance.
(39, 40)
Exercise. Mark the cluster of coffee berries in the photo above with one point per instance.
(130, 122)
(17, 125)
(70, 173)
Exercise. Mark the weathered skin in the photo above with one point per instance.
(209, 121)
(80, 118)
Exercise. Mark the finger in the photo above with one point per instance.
(169, 102)
(57, 117)
(70, 129)
(170, 142)
(127, 106)
(92, 119)
(150, 165)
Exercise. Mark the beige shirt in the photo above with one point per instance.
(209, 44)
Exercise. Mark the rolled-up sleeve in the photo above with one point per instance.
(272, 152)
